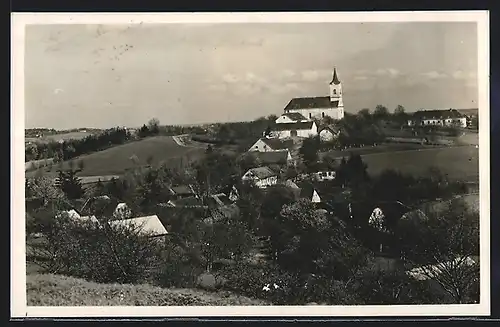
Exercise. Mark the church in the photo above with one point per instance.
(320, 107)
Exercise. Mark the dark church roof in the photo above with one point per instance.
(335, 79)
(311, 103)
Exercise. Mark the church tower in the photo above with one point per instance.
(336, 90)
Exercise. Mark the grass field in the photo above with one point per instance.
(457, 162)
(116, 160)
(56, 290)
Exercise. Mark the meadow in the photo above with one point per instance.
(57, 290)
(117, 160)
(458, 163)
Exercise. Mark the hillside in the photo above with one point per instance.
(56, 290)
(456, 162)
(116, 160)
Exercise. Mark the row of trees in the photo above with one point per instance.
(72, 148)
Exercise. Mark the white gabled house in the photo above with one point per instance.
(299, 129)
(150, 225)
(262, 177)
(329, 133)
(291, 117)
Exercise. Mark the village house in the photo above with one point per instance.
(271, 144)
(297, 129)
(320, 107)
(450, 117)
(291, 117)
(262, 177)
(182, 191)
(149, 225)
(322, 176)
(329, 133)
(274, 158)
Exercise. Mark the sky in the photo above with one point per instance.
(103, 76)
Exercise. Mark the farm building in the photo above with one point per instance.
(271, 144)
(218, 200)
(182, 191)
(450, 117)
(320, 107)
(291, 117)
(262, 177)
(329, 133)
(321, 176)
(150, 225)
(299, 129)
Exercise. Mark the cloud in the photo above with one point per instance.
(288, 74)
(361, 78)
(310, 75)
(230, 78)
(57, 91)
(390, 72)
(434, 75)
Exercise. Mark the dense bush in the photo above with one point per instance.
(98, 253)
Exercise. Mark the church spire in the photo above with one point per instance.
(335, 79)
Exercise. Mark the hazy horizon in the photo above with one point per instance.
(100, 76)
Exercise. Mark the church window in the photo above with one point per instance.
(310, 115)
(322, 115)
(334, 91)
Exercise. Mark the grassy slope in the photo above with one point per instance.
(115, 160)
(458, 162)
(56, 290)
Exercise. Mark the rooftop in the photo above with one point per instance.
(293, 126)
(147, 224)
(437, 114)
(295, 116)
(261, 172)
(278, 144)
(311, 103)
(274, 157)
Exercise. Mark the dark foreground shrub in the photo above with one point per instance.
(99, 253)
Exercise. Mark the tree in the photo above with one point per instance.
(399, 111)
(309, 150)
(70, 184)
(143, 131)
(154, 126)
(444, 244)
(365, 114)
(380, 112)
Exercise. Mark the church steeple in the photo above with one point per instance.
(335, 79)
